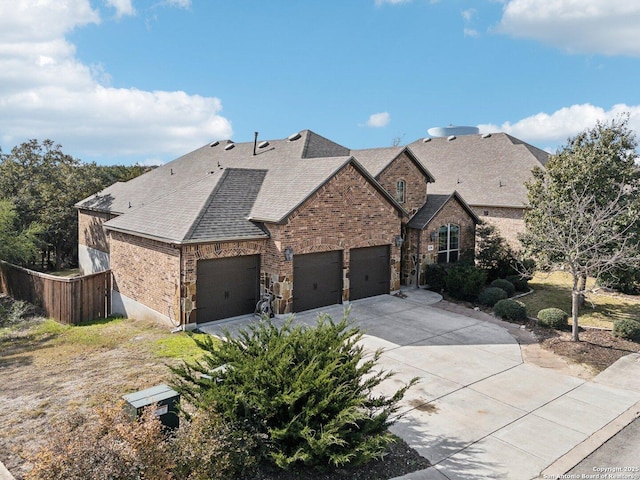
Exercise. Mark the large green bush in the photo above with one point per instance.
(305, 394)
(465, 282)
(491, 295)
(511, 310)
(553, 318)
(627, 328)
(505, 285)
(435, 276)
(521, 283)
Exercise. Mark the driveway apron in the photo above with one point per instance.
(478, 411)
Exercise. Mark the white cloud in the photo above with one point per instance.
(123, 7)
(470, 32)
(551, 130)
(378, 120)
(578, 26)
(469, 14)
(46, 92)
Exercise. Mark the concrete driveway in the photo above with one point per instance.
(479, 411)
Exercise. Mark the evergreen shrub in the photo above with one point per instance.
(505, 285)
(491, 295)
(553, 318)
(305, 394)
(521, 283)
(435, 276)
(465, 282)
(627, 328)
(511, 310)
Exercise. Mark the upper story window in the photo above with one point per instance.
(448, 243)
(401, 191)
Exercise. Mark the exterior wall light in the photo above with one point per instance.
(434, 236)
(288, 254)
(399, 241)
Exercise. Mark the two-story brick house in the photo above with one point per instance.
(199, 239)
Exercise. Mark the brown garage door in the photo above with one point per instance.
(227, 287)
(317, 280)
(369, 271)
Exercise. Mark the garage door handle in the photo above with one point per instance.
(226, 294)
(315, 286)
(366, 278)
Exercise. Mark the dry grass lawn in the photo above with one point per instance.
(601, 308)
(47, 370)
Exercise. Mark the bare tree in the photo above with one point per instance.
(584, 213)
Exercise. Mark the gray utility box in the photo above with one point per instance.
(166, 399)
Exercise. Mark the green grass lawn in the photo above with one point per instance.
(600, 310)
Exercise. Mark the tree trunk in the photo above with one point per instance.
(582, 286)
(575, 303)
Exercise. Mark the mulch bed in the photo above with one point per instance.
(597, 348)
(400, 460)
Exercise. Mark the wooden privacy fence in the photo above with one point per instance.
(67, 300)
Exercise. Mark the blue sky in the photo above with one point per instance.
(125, 81)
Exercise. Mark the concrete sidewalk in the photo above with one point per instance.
(479, 410)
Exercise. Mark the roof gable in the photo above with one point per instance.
(434, 204)
(376, 160)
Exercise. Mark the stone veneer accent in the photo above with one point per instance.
(452, 212)
(402, 168)
(146, 271)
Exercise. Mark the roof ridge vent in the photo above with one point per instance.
(486, 135)
(229, 146)
(213, 144)
(263, 144)
(294, 137)
(426, 139)
(451, 137)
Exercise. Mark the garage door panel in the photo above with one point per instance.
(227, 287)
(317, 280)
(369, 272)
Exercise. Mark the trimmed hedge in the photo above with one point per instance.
(511, 310)
(491, 295)
(521, 283)
(505, 285)
(627, 328)
(553, 318)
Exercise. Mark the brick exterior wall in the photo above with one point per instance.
(347, 212)
(417, 253)
(147, 271)
(402, 168)
(508, 221)
(90, 231)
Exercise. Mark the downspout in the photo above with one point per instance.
(418, 259)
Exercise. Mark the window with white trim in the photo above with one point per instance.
(401, 191)
(448, 243)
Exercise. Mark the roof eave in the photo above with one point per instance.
(174, 241)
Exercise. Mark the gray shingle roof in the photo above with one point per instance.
(485, 171)
(435, 203)
(212, 192)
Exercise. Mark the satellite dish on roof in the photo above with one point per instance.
(452, 131)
